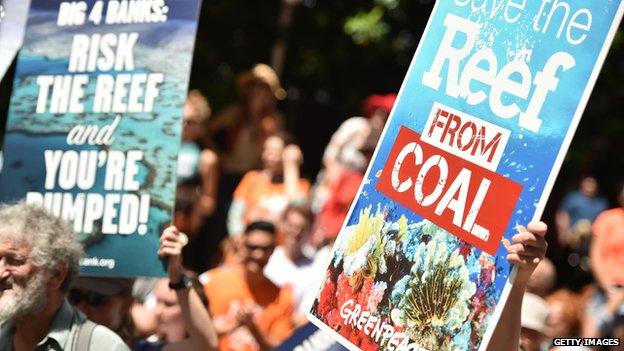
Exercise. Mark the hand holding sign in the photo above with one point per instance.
(171, 243)
(471, 148)
(529, 248)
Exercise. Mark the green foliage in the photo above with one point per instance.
(340, 51)
(367, 27)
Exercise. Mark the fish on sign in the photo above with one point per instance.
(471, 150)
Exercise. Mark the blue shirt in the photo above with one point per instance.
(579, 206)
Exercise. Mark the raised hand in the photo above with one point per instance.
(171, 243)
(528, 248)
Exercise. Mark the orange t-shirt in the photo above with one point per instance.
(264, 199)
(609, 225)
(227, 291)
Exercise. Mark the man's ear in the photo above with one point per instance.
(58, 276)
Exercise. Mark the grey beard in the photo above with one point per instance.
(28, 300)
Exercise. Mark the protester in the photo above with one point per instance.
(202, 250)
(249, 311)
(341, 185)
(578, 210)
(183, 322)
(264, 194)
(533, 322)
(243, 127)
(197, 164)
(358, 133)
(565, 313)
(605, 313)
(199, 182)
(295, 263)
(377, 108)
(344, 162)
(607, 252)
(39, 257)
(105, 301)
(574, 219)
(185, 214)
(143, 310)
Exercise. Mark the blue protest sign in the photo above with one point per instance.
(94, 123)
(471, 150)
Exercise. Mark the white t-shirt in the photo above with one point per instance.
(303, 276)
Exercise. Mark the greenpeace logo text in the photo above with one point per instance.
(377, 329)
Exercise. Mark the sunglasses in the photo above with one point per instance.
(264, 248)
(90, 298)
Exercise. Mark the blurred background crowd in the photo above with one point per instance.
(260, 233)
(272, 158)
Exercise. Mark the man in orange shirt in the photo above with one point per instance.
(250, 313)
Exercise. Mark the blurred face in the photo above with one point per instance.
(558, 321)
(378, 118)
(189, 223)
(295, 228)
(531, 339)
(192, 123)
(272, 153)
(22, 286)
(589, 186)
(105, 310)
(260, 96)
(258, 246)
(168, 312)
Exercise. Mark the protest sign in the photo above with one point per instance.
(471, 150)
(13, 15)
(94, 123)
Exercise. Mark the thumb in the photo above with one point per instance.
(537, 228)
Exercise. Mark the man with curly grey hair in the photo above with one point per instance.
(39, 257)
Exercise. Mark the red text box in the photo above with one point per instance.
(469, 201)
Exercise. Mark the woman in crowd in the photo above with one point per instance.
(264, 194)
(242, 128)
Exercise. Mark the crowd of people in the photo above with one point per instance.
(580, 292)
(259, 237)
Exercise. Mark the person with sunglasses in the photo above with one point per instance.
(105, 301)
(250, 312)
(296, 263)
(39, 257)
